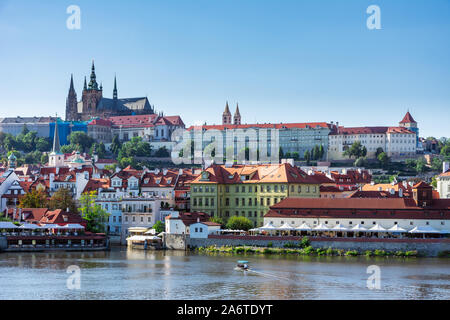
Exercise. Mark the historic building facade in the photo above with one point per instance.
(93, 104)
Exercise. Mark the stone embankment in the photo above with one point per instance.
(425, 247)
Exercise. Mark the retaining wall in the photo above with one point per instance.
(3, 243)
(175, 241)
(426, 247)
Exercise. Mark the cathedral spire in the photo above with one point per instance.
(237, 115)
(226, 116)
(85, 84)
(93, 85)
(115, 88)
(71, 83)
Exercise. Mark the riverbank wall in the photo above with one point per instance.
(3, 243)
(425, 247)
(175, 241)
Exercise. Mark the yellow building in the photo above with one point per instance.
(249, 190)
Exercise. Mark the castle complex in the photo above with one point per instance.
(94, 105)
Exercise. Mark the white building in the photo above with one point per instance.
(443, 182)
(203, 229)
(399, 142)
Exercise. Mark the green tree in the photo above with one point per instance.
(34, 199)
(307, 156)
(62, 199)
(69, 148)
(421, 166)
(383, 159)
(43, 144)
(115, 145)
(321, 152)
(162, 152)
(436, 164)
(378, 152)
(159, 227)
(44, 158)
(93, 213)
(99, 149)
(239, 223)
(295, 156)
(356, 150)
(217, 220)
(82, 139)
(360, 162)
(445, 151)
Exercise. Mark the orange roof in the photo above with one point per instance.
(271, 173)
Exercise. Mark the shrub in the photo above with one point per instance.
(351, 253)
(329, 252)
(399, 253)
(290, 245)
(320, 251)
(368, 253)
(379, 253)
(308, 250)
(444, 254)
(268, 251)
(305, 242)
(270, 244)
(412, 253)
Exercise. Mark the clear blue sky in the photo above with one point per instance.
(283, 61)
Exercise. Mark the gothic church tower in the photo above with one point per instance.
(226, 116)
(71, 103)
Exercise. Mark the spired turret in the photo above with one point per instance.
(226, 117)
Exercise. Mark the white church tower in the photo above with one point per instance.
(56, 157)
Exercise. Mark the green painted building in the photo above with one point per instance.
(249, 190)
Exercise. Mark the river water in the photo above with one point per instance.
(134, 274)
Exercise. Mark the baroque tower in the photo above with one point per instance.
(226, 116)
(71, 103)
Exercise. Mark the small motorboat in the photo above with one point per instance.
(242, 265)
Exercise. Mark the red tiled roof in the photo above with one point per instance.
(100, 122)
(312, 125)
(189, 218)
(272, 173)
(408, 118)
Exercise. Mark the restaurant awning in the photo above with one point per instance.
(30, 226)
(142, 238)
(268, 227)
(396, 228)
(303, 227)
(285, 227)
(8, 225)
(51, 226)
(377, 228)
(359, 228)
(424, 229)
(339, 227)
(321, 227)
(74, 226)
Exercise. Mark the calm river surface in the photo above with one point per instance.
(134, 274)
